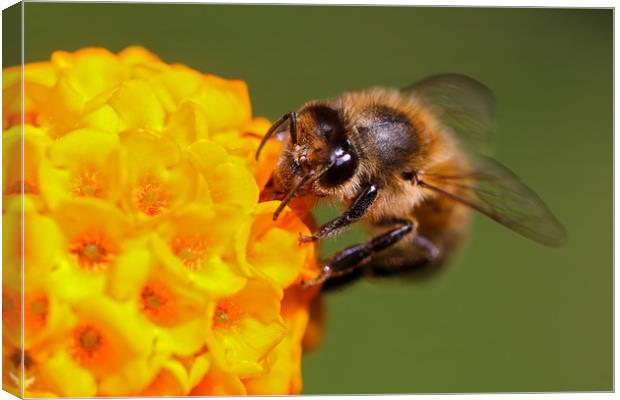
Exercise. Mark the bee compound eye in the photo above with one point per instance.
(344, 165)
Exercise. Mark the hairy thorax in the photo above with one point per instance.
(395, 136)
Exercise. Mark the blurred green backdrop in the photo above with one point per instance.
(508, 314)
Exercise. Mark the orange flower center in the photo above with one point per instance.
(36, 312)
(88, 183)
(226, 314)
(152, 300)
(151, 196)
(86, 344)
(191, 250)
(92, 251)
(156, 303)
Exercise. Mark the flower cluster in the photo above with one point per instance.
(149, 265)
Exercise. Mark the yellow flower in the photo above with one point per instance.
(95, 236)
(197, 242)
(245, 327)
(108, 348)
(284, 362)
(157, 175)
(218, 169)
(38, 77)
(35, 144)
(83, 163)
(150, 265)
(167, 297)
(257, 239)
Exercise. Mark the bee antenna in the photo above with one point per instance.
(291, 195)
(308, 178)
(293, 127)
(275, 126)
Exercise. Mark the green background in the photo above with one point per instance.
(507, 314)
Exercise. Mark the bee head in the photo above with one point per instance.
(323, 146)
(318, 151)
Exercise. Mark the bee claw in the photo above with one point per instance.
(325, 274)
(305, 239)
(311, 283)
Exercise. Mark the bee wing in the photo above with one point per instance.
(492, 189)
(462, 104)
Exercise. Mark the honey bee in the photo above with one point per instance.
(409, 164)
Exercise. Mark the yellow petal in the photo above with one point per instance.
(59, 107)
(128, 274)
(225, 102)
(172, 380)
(179, 81)
(104, 118)
(199, 368)
(283, 373)
(136, 54)
(244, 191)
(207, 155)
(137, 106)
(65, 377)
(283, 364)
(182, 340)
(219, 383)
(89, 71)
(42, 246)
(187, 124)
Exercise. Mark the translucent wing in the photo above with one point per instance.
(462, 104)
(492, 189)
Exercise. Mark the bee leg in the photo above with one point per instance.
(356, 211)
(410, 264)
(354, 257)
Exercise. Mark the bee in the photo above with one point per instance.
(411, 165)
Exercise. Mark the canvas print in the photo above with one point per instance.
(204, 199)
